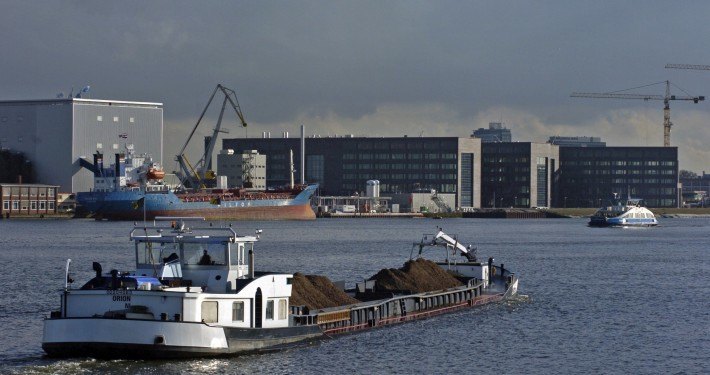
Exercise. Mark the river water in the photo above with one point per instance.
(592, 300)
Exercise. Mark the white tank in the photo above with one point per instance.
(373, 188)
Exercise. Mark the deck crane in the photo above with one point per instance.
(666, 104)
(441, 239)
(195, 176)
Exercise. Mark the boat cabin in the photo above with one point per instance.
(206, 275)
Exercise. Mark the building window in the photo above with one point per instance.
(15, 205)
(42, 205)
(132, 120)
(115, 146)
(270, 310)
(6, 205)
(315, 168)
(115, 118)
(99, 118)
(238, 311)
(51, 205)
(283, 309)
(33, 205)
(209, 311)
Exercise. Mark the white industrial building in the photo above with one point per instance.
(55, 134)
(238, 167)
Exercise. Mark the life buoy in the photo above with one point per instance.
(493, 271)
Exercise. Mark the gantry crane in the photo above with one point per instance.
(666, 104)
(195, 176)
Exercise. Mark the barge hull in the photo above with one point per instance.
(147, 339)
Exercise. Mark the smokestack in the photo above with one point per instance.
(303, 155)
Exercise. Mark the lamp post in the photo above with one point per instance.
(501, 202)
(565, 202)
(515, 201)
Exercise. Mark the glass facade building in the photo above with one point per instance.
(590, 176)
(342, 165)
(518, 174)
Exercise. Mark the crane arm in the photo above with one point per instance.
(444, 240)
(201, 166)
(634, 96)
(232, 98)
(688, 66)
(182, 150)
(615, 96)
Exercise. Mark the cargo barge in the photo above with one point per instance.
(195, 293)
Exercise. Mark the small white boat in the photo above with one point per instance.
(629, 213)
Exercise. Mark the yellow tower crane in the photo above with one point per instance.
(666, 103)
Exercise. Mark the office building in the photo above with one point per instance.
(343, 165)
(519, 174)
(54, 134)
(589, 176)
(27, 200)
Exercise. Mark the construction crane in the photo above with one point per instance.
(666, 103)
(688, 66)
(198, 175)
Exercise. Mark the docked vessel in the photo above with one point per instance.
(132, 188)
(195, 293)
(619, 213)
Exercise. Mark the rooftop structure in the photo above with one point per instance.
(495, 133)
(576, 141)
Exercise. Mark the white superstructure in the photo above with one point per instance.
(193, 293)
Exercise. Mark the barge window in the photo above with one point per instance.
(238, 311)
(209, 311)
(148, 253)
(283, 308)
(270, 310)
(193, 253)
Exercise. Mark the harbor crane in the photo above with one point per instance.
(200, 174)
(666, 103)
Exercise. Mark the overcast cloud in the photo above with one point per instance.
(377, 68)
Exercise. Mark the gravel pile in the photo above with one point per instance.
(317, 292)
(417, 276)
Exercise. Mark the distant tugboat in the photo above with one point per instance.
(618, 213)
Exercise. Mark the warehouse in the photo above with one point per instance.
(55, 134)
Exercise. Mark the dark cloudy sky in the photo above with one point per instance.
(377, 68)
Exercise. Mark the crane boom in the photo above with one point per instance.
(200, 168)
(666, 105)
(688, 66)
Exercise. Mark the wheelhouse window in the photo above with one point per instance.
(238, 252)
(238, 311)
(149, 253)
(270, 310)
(204, 254)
